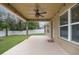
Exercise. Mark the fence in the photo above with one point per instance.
(3, 33)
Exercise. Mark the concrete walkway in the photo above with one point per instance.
(36, 45)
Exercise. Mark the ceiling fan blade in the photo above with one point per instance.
(36, 15)
(41, 15)
(37, 10)
(43, 12)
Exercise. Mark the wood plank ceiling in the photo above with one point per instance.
(27, 9)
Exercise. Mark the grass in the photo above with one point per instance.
(10, 41)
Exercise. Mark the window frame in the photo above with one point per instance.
(70, 24)
(62, 25)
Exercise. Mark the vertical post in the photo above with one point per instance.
(51, 25)
(27, 28)
(51, 30)
(44, 29)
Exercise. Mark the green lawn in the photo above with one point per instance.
(10, 41)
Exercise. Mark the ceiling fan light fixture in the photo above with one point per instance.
(38, 12)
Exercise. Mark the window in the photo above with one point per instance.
(64, 19)
(75, 24)
(63, 25)
(64, 32)
(75, 13)
(69, 24)
(75, 33)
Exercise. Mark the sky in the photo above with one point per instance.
(42, 23)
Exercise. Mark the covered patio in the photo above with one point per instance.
(36, 45)
(62, 28)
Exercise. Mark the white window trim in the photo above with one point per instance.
(73, 42)
(64, 38)
(75, 23)
(63, 25)
(69, 26)
(63, 12)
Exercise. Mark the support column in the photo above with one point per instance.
(51, 29)
(51, 25)
(44, 29)
(27, 28)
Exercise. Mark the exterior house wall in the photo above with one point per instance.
(71, 48)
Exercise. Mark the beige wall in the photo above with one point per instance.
(71, 48)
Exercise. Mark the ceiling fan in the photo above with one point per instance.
(38, 11)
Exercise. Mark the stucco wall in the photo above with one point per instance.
(71, 48)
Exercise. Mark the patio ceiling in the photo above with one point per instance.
(26, 10)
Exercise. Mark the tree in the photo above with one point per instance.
(32, 25)
(0, 25)
(4, 25)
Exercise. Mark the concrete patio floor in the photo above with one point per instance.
(36, 45)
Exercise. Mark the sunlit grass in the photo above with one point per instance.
(10, 41)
